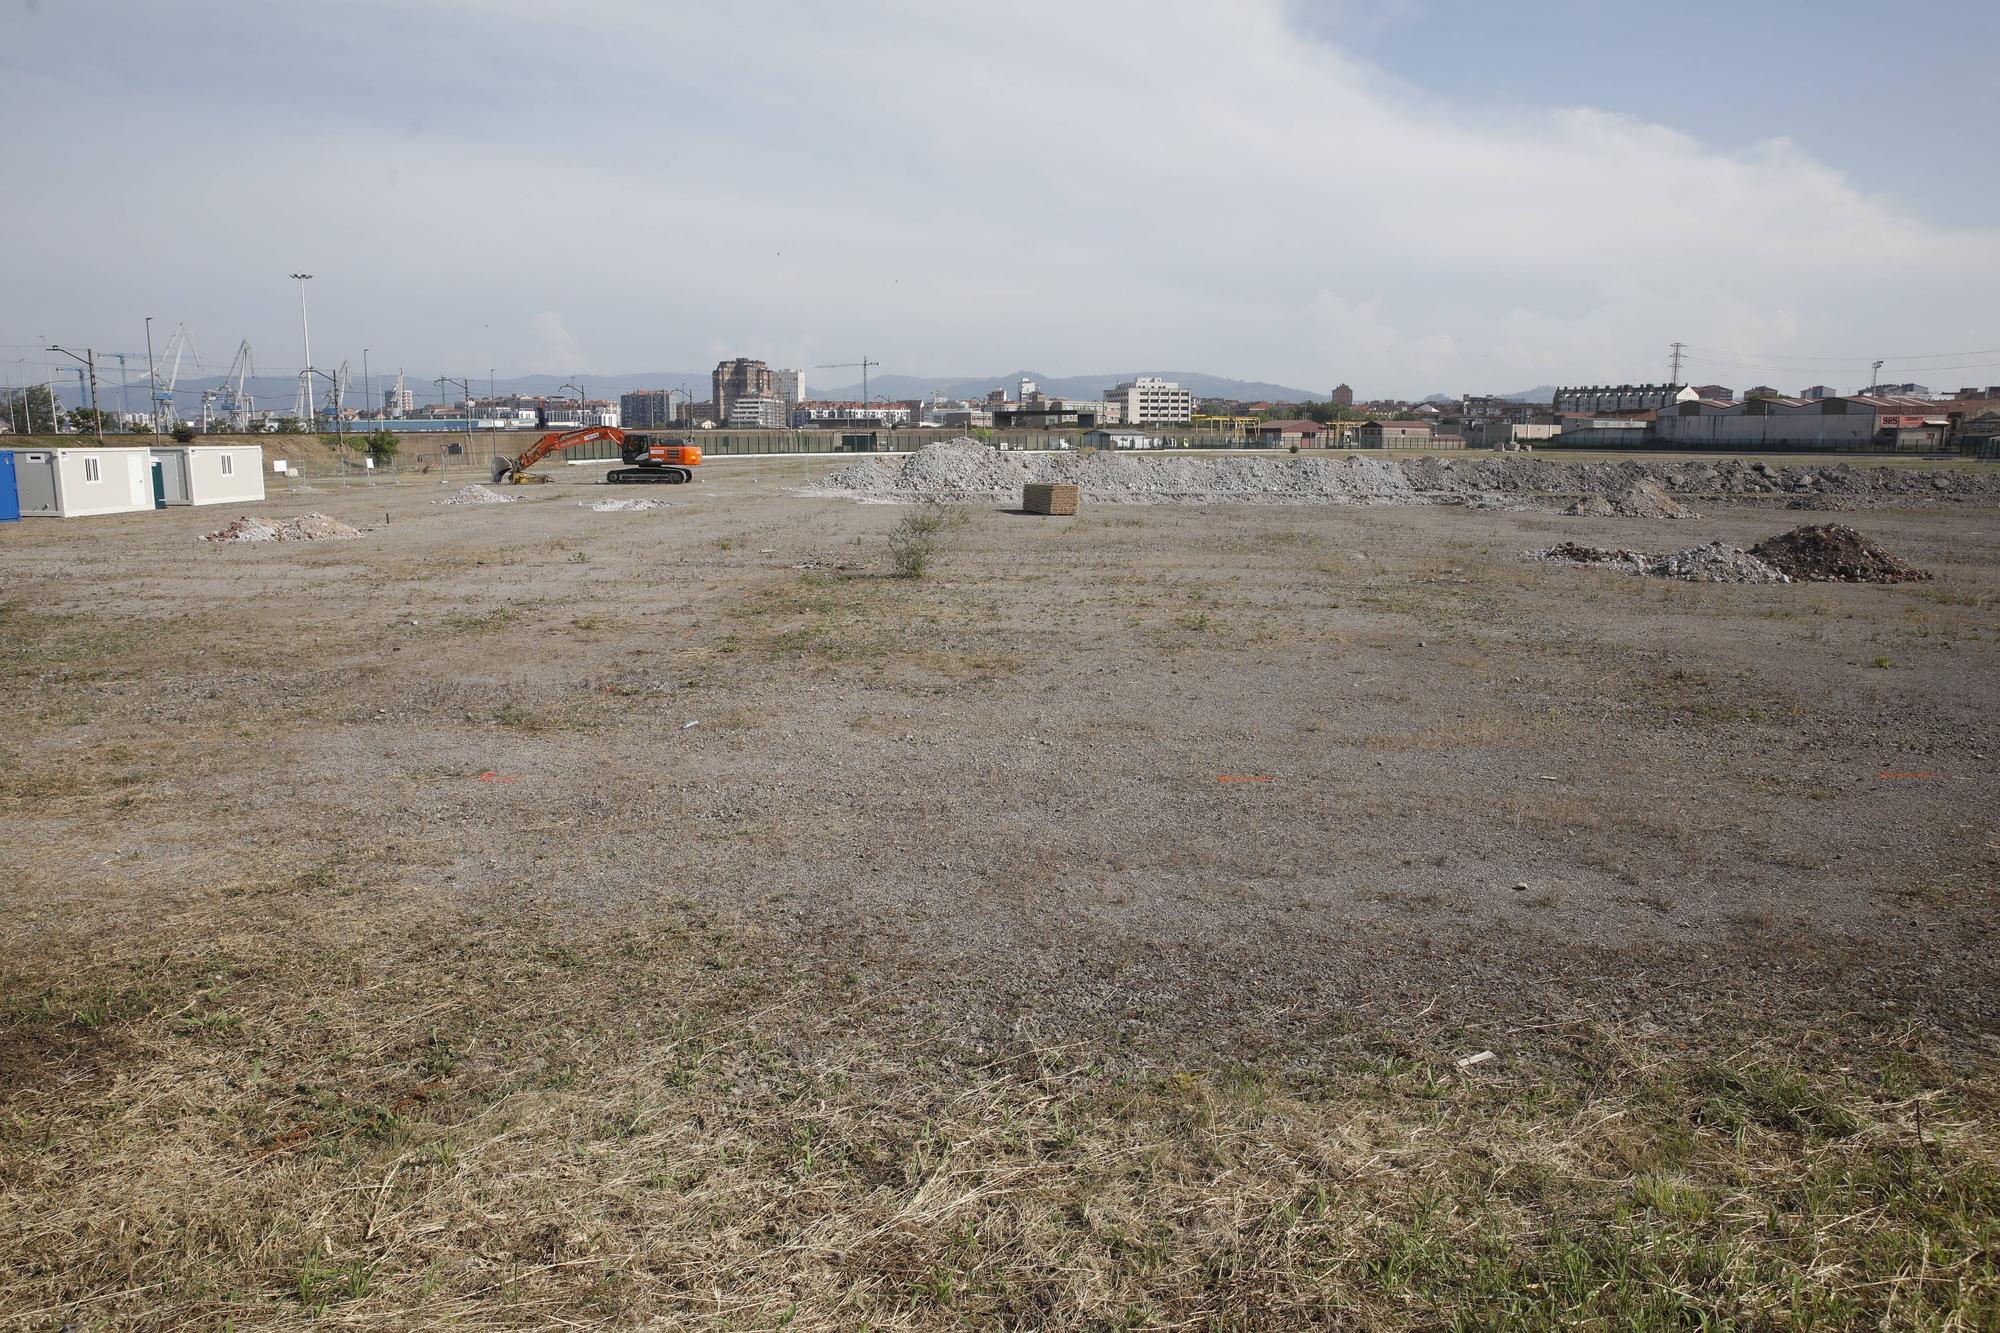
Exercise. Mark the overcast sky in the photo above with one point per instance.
(1407, 195)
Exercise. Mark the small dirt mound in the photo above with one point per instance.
(304, 528)
(1646, 498)
(1714, 563)
(475, 495)
(1834, 553)
(1592, 506)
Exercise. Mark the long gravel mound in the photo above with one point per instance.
(967, 469)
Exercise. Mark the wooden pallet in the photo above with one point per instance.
(1050, 497)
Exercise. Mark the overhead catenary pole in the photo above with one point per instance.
(367, 384)
(1674, 375)
(89, 360)
(153, 382)
(305, 376)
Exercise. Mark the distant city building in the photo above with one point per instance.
(1045, 415)
(398, 401)
(1594, 398)
(1761, 391)
(790, 386)
(647, 409)
(765, 411)
(1342, 396)
(1812, 393)
(1392, 435)
(1286, 434)
(741, 378)
(1897, 391)
(1108, 413)
(837, 415)
(1718, 392)
(1149, 400)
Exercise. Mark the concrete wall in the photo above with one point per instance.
(1791, 430)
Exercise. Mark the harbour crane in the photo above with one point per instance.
(168, 373)
(864, 363)
(230, 399)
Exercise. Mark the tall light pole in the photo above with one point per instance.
(89, 360)
(153, 382)
(305, 375)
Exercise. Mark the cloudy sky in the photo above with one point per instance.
(1408, 195)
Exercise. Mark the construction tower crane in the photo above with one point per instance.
(864, 363)
(168, 372)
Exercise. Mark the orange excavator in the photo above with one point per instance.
(647, 460)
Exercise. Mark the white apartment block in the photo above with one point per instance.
(765, 413)
(1148, 399)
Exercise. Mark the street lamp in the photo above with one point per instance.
(305, 376)
(89, 360)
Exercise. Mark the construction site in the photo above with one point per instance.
(1368, 891)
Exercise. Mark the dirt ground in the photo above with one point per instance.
(525, 916)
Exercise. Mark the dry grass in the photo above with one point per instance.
(531, 1127)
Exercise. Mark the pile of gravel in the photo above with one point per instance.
(475, 495)
(1833, 553)
(1644, 498)
(304, 528)
(1713, 563)
(624, 506)
(966, 469)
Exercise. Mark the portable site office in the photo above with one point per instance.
(210, 474)
(77, 483)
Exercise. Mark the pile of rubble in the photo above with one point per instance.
(1644, 498)
(475, 495)
(304, 528)
(1833, 553)
(1713, 563)
(966, 469)
(624, 506)
(1826, 554)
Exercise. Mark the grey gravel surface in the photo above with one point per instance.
(997, 796)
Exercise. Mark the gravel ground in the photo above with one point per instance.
(1003, 780)
(520, 916)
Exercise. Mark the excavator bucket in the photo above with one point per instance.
(501, 467)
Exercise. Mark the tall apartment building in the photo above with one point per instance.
(647, 409)
(398, 401)
(741, 378)
(1149, 400)
(789, 385)
(1342, 396)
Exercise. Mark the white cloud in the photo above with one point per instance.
(955, 188)
(556, 347)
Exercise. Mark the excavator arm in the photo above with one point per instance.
(516, 469)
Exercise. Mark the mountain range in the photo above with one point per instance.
(275, 391)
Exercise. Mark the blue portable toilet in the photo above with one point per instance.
(10, 492)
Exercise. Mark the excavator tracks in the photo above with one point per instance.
(649, 476)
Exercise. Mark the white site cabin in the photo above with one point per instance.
(76, 483)
(210, 474)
